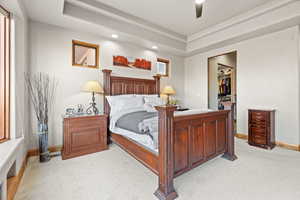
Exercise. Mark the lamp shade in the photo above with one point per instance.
(168, 90)
(93, 86)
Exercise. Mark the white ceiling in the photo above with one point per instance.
(168, 24)
(180, 16)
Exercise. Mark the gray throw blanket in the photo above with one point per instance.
(141, 122)
(131, 121)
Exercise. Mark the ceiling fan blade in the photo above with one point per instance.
(199, 9)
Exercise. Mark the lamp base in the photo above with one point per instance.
(168, 100)
(92, 108)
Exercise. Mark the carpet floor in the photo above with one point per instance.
(114, 175)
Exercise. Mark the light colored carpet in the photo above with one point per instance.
(114, 175)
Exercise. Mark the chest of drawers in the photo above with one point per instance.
(261, 128)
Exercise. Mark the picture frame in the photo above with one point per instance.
(131, 62)
(85, 54)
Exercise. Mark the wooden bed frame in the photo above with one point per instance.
(185, 142)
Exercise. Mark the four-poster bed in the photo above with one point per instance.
(185, 141)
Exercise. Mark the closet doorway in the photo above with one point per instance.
(222, 93)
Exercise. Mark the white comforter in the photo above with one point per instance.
(148, 124)
(145, 140)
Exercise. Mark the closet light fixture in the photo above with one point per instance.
(114, 36)
(154, 47)
(199, 1)
(199, 7)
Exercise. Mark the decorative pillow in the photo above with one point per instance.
(124, 102)
(112, 100)
(147, 95)
(154, 100)
(151, 102)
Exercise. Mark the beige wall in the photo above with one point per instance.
(267, 76)
(51, 51)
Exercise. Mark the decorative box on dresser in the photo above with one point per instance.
(84, 135)
(261, 128)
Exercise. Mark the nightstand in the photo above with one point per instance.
(84, 135)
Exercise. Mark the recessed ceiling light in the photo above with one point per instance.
(199, 1)
(114, 36)
(154, 47)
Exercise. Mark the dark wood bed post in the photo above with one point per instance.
(166, 189)
(107, 89)
(230, 154)
(157, 84)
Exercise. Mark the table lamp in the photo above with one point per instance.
(93, 87)
(168, 90)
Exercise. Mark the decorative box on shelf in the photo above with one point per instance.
(84, 134)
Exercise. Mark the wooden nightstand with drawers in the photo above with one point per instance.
(84, 135)
(262, 128)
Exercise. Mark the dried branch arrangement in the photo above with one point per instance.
(41, 89)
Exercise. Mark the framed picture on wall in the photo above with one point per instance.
(162, 67)
(130, 62)
(85, 54)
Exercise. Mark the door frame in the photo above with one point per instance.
(208, 85)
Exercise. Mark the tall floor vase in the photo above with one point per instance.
(43, 142)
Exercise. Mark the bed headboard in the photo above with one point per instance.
(116, 85)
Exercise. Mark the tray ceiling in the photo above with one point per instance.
(169, 24)
(180, 16)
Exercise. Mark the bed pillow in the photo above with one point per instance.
(124, 102)
(151, 102)
(147, 95)
(112, 100)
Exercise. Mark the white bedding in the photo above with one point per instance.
(192, 112)
(114, 118)
(142, 139)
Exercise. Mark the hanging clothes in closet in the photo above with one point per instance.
(225, 86)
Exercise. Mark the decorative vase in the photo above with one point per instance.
(43, 142)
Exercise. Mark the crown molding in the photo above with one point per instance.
(246, 36)
(272, 21)
(133, 33)
(261, 10)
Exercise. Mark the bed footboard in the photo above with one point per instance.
(188, 141)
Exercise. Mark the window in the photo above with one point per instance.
(4, 73)
(162, 67)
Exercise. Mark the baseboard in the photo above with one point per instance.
(288, 146)
(35, 152)
(14, 182)
(241, 136)
(278, 143)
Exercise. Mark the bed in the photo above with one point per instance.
(186, 139)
